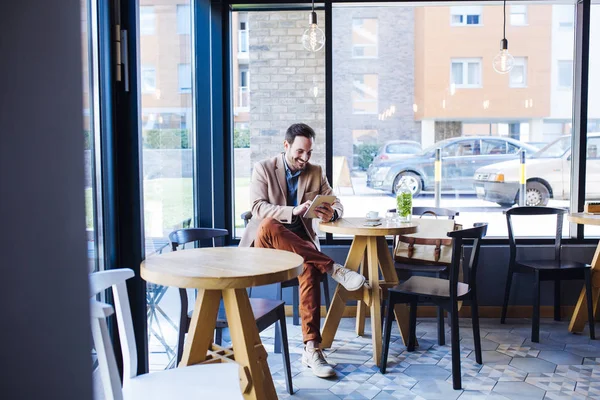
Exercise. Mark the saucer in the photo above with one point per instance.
(378, 219)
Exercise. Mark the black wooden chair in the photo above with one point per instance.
(444, 293)
(266, 311)
(439, 270)
(294, 284)
(555, 269)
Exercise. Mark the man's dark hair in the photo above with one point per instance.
(299, 130)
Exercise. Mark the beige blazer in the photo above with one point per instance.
(268, 194)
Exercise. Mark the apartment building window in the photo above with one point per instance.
(465, 15)
(364, 94)
(185, 78)
(183, 19)
(148, 79)
(566, 20)
(518, 75)
(466, 72)
(565, 74)
(147, 20)
(364, 37)
(243, 37)
(518, 15)
(244, 89)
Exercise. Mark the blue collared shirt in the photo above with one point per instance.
(292, 184)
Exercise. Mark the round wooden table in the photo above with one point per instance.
(580, 314)
(226, 272)
(368, 251)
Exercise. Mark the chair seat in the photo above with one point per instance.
(213, 381)
(421, 268)
(260, 309)
(551, 264)
(430, 287)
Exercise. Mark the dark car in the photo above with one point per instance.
(461, 156)
(395, 150)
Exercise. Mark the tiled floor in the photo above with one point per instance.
(561, 366)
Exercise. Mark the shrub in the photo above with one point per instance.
(165, 139)
(365, 152)
(241, 138)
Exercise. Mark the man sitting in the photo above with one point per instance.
(281, 191)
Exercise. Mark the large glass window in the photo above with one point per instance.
(167, 142)
(284, 84)
(436, 86)
(592, 182)
(91, 133)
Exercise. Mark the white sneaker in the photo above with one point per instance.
(349, 279)
(315, 360)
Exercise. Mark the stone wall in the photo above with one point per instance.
(282, 75)
(394, 67)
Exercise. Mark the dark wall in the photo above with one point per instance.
(492, 275)
(44, 290)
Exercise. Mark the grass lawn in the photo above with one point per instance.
(168, 201)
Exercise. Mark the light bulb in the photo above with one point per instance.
(504, 61)
(313, 38)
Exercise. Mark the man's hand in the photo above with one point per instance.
(301, 209)
(324, 212)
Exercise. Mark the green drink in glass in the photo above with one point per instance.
(404, 203)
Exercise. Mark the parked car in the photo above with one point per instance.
(396, 150)
(548, 175)
(461, 156)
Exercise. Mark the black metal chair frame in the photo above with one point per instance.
(439, 270)
(267, 312)
(545, 270)
(294, 284)
(444, 293)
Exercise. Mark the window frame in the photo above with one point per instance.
(465, 72)
(525, 14)
(465, 12)
(522, 62)
(363, 46)
(148, 30)
(181, 73)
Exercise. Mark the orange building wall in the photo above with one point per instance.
(437, 42)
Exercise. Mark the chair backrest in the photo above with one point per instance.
(107, 363)
(433, 211)
(100, 281)
(246, 216)
(205, 236)
(469, 268)
(532, 211)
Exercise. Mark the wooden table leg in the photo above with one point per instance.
(202, 327)
(361, 307)
(580, 315)
(375, 299)
(338, 304)
(247, 347)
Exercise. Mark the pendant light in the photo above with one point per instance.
(504, 61)
(313, 38)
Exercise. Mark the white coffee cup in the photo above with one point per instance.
(372, 214)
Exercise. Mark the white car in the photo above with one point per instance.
(547, 172)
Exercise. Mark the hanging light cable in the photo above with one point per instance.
(504, 61)
(313, 38)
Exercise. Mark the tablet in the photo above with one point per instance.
(320, 199)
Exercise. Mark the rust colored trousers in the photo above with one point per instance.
(273, 235)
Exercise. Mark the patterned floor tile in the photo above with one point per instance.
(435, 389)
(530, 365)
(560, 357)
(519, 390)
(476, 383)
(589, 389)
(552, 382)
(517, 351)
(492, 357)
(499, 373)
